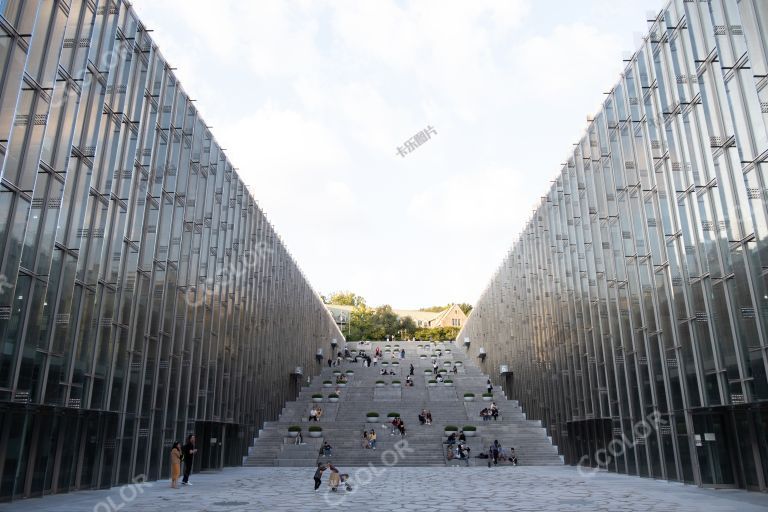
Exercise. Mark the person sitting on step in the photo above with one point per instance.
(512, 457)
(428, 415)
(422, 417)
(440, 378)
(327, 450)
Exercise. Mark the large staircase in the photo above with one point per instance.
(343, 422)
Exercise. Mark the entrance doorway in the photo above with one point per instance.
(730, 446)
(210, 440)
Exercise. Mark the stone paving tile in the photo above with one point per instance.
(408, 489)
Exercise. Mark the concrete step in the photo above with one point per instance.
(343, 421)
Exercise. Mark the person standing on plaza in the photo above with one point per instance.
(372, 438)
(176, 457)
(412, 368)
(319, 474)
(189, 450)
(489, 386)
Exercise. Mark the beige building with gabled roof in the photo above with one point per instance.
(452, 316)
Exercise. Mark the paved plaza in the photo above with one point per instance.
(465, 489)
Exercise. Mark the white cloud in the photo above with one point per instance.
(484, 201)
(571, 61)
(311, 98)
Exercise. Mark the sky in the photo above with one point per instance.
(312, 98)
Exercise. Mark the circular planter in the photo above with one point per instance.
(469, 398)
(315, 433)
(422, 356)
(317, 399)
(327, 384)
(450, 430)
(447, 364)
(342, 384)
(432, 383)
(396, 363)
(459, 363)
(470, 433)
(447, 351)
(372, 419)
(384, 363)
(448, 383)
(427, 372)
(487, 398)
(381, 384)
(337, 372)
(293, 434)
(333, 400)
(396, 384)
(350, 372)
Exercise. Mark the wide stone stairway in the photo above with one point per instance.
(344, 420)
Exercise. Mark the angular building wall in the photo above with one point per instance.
(143, 294)
(632, 312)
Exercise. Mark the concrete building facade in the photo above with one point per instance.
(144, 296)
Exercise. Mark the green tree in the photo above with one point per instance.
(360, 323)
(437, 333)
(435, 309)
(407, 327)
(346, 298)
(466, 308)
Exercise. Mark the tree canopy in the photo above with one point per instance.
(344, 298)
(366, 323)
(466, 308)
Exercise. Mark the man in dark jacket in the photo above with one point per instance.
(319, 474)
(189, 451)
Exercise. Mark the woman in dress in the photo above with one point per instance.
(175, 464)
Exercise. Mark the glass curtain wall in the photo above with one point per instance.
(632, 311)
(143, 294)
